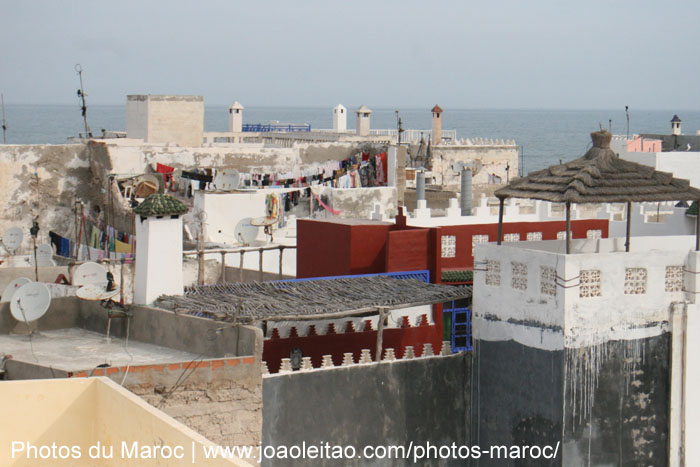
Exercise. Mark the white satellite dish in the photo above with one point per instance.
(30, 302)
(475, 165)
(95, 292)
(245, 232)
(44, 255)
(90, 273)
(12, 239)
(12, 288)
(227, 180)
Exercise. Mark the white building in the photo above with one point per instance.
(165, 119)
(340, 118)
(616, 325)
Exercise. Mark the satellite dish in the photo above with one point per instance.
(245, 232)
(227, 179)
(95, 292)
(474, 165)
(30, 302)
(44, 255)
(90, 273)
(12, 239)
(12, 287)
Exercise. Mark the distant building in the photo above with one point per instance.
(165, 119)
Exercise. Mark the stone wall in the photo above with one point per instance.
(221, 399)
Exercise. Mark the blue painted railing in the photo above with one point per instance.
(423, 275)
(275, 127)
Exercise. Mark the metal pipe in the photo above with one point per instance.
(223, 267)
(629, 227)
(281, 253)
(500, 220)
(466, 198)
(262, 274)
(420, 185)
(697, 228)
(568, 227)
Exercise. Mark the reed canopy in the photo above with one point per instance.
(600, 176)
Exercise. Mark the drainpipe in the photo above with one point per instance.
(677, 403)
(420, 185)
(466, 199)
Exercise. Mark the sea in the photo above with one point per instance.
(544, 136)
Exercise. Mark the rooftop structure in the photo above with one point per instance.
(600, 176)
(309, 300)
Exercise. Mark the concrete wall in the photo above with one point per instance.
(82, 413)
(220, 398)
(392, 403)
(166, 119)
(617, 403)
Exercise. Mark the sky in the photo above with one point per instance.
(495, 54)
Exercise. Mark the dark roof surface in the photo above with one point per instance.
(600, 177)
(675, 119)
(160, 205)
(437, 109)
(311, 299)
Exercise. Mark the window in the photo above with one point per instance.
(449, 246)
(674, 278)
(548, 281)
(519, 275)
(590, 284)
(635, 281)
(534, 236)
(511, 237)
(594, 233)
(493, 273)
(562, 235)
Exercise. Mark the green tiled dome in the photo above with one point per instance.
(161, 205)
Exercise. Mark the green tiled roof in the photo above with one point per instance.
(462, 275)
(160, 205)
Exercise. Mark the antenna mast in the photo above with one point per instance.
(4, 123)
(81, 96)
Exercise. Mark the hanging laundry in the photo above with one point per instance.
(95, 237)
(380, 164)
(167, 172)
(121, 247)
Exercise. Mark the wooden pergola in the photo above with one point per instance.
(600, 176)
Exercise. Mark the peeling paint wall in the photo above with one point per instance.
(64, 176)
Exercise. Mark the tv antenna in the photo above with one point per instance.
(627, 112)
(399, 125)
(82, 96)
(4, 122)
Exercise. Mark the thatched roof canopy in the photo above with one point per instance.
(600, 176)
(309, 300)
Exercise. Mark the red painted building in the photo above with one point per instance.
(340, 247)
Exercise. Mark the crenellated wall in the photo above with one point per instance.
(391, 403)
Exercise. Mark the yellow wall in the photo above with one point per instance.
(82, 412)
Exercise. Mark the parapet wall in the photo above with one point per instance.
(416, 400)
